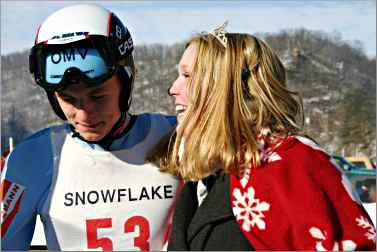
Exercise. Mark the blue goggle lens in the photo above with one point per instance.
(87, 60)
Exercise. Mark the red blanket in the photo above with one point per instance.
(298, 199)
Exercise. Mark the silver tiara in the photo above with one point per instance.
(219, 34)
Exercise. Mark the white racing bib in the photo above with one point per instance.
(102, 202)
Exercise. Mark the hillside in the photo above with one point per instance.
(335, 78)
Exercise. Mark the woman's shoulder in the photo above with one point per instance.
(297, 160)
(300, 151)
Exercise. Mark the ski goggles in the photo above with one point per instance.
(54, 66)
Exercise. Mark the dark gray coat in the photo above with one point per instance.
(212, 226)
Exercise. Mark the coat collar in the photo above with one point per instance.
(213, 207)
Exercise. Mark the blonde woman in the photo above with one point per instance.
(252, 180)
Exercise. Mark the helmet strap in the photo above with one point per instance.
(121, 127)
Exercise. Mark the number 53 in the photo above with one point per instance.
(142, 241)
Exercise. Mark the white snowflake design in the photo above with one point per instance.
(245, 177)
(249, 209)
(320, 235)
(266, 155)
(274, 157)
(266, 152)
(364, 223)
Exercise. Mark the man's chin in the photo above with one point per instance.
(91, 137)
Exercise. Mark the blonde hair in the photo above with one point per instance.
(225, 113)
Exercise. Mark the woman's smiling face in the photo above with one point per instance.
(179, 88)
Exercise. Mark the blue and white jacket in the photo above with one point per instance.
(88, 198)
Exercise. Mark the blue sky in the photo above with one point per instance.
(174, 21)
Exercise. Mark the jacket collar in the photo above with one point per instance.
(213, 207)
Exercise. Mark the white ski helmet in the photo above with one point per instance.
(60, 54)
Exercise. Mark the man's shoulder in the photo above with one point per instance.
(160, 117)
(31, 159)
(43, 133)
(155, 126)
(38, 140)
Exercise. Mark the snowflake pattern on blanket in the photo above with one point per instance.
(298, 200)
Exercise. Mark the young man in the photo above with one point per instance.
(88, 178)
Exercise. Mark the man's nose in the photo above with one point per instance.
(85, 106)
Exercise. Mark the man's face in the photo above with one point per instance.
(93, 111)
